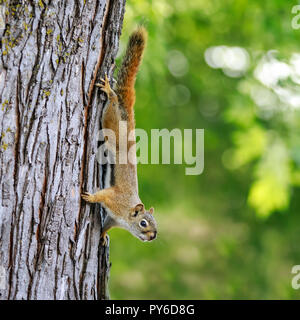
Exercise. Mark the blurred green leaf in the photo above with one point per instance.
(218, 238)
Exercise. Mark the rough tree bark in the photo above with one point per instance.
(49, 118)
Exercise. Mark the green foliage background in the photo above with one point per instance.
(234, 231)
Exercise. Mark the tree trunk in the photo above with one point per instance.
(49, 118)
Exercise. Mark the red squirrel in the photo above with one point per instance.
(121, 201)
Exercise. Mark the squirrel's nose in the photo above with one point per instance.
(153, 235)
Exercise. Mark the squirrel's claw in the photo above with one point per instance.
(87, 197)
(102, 80)
(104, 240)
(100, 85)
(104, 86)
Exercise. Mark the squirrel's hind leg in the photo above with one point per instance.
(105, 87)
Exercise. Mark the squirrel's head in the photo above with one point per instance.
(143, 224)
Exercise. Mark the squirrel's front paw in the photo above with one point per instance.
(104, 240)
(87, 197)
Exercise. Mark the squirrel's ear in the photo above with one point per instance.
(139, 207)
(151, 210)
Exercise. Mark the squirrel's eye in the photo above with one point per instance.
(143, 223)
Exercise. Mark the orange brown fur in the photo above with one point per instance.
(129, 68)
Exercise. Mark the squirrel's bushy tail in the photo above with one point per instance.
(129, 68)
